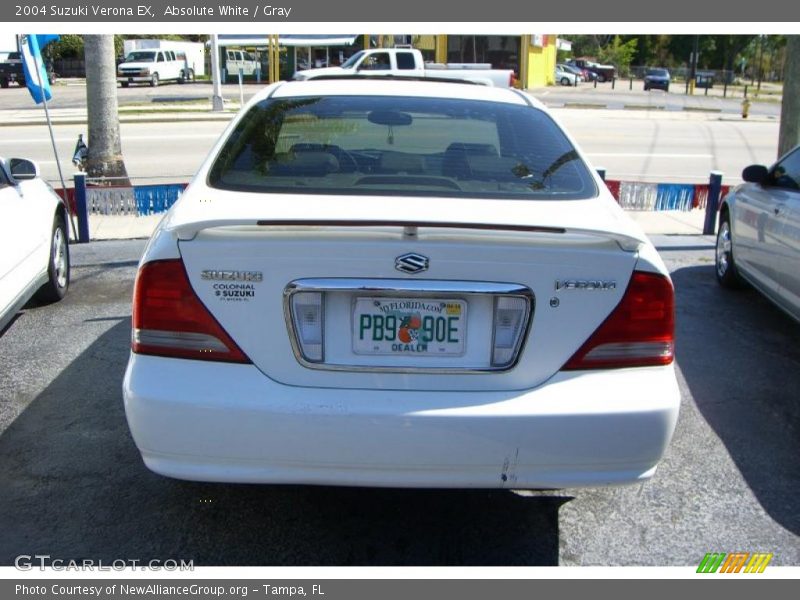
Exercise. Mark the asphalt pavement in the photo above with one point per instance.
(74, 485)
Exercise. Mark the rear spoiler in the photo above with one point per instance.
(187, 231)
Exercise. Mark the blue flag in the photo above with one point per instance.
(30, 47)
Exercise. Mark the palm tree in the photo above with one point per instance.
(105, 149)
(789, 134)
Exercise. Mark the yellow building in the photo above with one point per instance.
(539, 68)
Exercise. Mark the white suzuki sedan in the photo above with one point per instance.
(34, 251)
(400, 283)
(758, 239)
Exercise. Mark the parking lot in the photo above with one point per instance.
(74, 485)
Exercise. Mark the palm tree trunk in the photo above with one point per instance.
(789, 134)
(105, 149)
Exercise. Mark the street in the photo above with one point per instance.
(654, 146)
(75, 487)
(165, 152)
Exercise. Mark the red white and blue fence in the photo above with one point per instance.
(88, 198)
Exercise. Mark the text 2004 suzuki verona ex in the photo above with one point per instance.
(400, 283)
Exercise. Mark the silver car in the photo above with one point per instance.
(759, 233)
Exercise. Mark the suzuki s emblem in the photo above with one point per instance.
(411, 263)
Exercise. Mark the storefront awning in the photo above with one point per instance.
(245, 40)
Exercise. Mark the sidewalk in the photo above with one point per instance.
(167, 113)
(668, 222)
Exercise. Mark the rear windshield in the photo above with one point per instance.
(400, 146)
(658, 72)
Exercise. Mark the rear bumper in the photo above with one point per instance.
(225, 422)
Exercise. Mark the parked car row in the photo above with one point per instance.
(594, 71)
(571, 74)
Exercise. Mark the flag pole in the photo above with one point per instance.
(38, 70)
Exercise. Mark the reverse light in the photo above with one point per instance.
(307, 319)
(170, 320)
(509, 319)
(640, 331)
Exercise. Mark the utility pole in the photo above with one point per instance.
(693, 65)
(217, 103)
(789, 134)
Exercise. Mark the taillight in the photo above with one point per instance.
(512, 80)
(170, 320)
(639, 332)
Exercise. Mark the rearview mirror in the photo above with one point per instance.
(22, 169)
(392, 118)
(755, 174)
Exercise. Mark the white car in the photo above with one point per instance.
(405, 284)
(34, 247)
(565, 77)
(758, 238)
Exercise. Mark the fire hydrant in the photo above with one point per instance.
(745, 108)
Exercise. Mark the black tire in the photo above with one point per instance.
(724, 264)
(3, 83)
(601, 78)
(58, 266)
(646, 89)
(154, 80)
(565, 81)
(124, 84)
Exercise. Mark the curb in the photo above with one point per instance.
(167, 118)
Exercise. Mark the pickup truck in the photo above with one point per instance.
(12, 71)
(604, 72)
(408, 62)
(153, 67)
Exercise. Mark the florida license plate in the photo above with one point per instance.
(409, 326)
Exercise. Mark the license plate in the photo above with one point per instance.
(409, 326)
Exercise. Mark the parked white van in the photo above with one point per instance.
(153, 67)
(240, 59)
